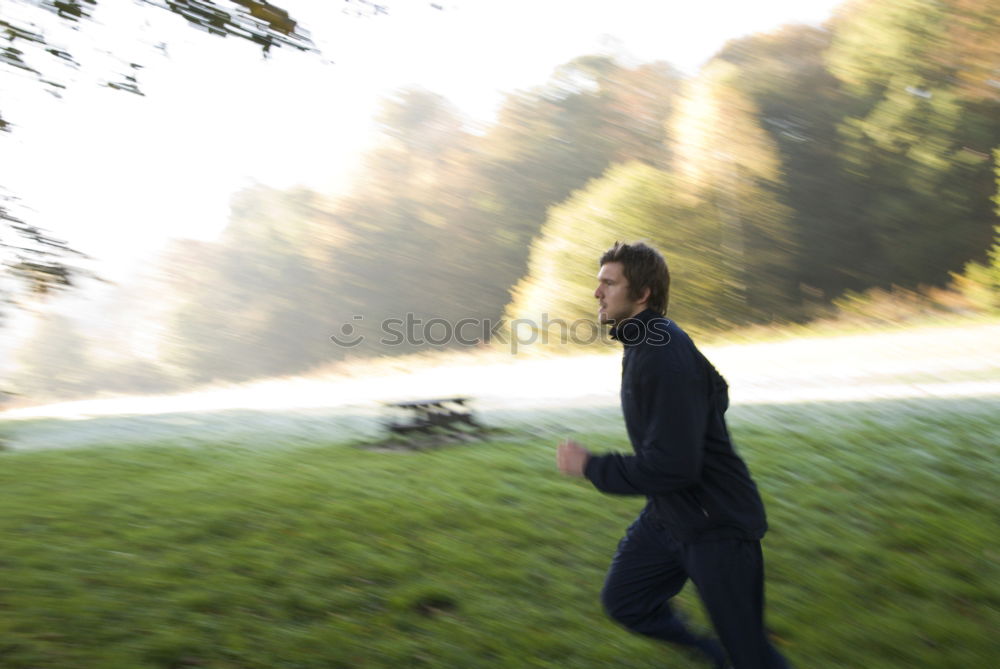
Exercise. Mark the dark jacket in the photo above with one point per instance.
(674, 403)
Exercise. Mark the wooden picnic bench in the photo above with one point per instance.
(444, 414)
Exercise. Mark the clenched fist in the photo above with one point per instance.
(571, 458)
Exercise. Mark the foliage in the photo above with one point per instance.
(436, 227)
(29, 25)
(812, 163)
(799, 170)
(880, 553)
(897, 305)
(563, 261)
(717, 215)
(551, 142)
(642, 202)
(62, 360)
(31, 255)
(56, 359)
(729, 168)
(981, 282)
(37, 262)
(800, 103)
(42, 39)
(236, 308)
(915, 143)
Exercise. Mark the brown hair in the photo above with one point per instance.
(644, 268)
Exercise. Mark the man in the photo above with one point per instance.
(703, 518)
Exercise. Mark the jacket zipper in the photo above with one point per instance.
(700, 505)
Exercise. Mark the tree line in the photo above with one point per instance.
(797, 166)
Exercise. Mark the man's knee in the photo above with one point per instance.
(619, 608)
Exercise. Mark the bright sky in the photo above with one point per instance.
(116, 175)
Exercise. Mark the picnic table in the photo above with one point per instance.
(443, 414)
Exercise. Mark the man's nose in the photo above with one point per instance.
(597, 292)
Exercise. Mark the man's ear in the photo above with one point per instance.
(644, 298)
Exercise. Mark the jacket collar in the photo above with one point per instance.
(634, 330)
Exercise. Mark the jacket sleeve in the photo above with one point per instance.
(672, 404)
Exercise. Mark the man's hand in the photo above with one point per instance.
(571, 458)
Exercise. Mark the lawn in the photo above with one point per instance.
(883, 552)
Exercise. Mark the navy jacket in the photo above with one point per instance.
(674, 402)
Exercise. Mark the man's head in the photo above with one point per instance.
(632, 278)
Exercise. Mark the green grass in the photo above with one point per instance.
(883, 550)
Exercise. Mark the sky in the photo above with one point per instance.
(117, 175)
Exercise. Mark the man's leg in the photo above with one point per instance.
(646, 572)
(729, 574)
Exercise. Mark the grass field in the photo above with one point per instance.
(314, 552)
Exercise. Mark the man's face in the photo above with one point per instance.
(612, 295)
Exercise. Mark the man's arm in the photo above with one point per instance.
(673, 406)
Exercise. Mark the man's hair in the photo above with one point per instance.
(644, 268)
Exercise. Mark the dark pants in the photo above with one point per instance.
(651, 567)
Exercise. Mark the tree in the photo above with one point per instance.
(30, 50)
(444, 216)
(726, 162)
(33, 258)
(917, 135)
(980, 282)
(259, 302)
(718, 213)
(800, 105)
(437, 225)
(550, 142)
(55, 362)
(27, 49)
(630, 200)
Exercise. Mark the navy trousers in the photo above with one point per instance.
(651, 566)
